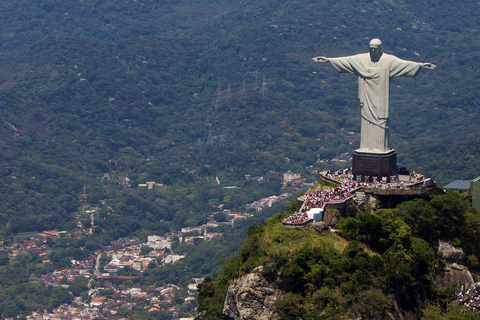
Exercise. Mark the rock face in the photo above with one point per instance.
(451, 253)
(455, 274)
(250, 297)
(329, 218)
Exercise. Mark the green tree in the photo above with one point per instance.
(4, 258)
(78, 286)
(349, 228)
(145, 250)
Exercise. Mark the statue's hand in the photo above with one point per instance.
(320, 59)
(428, 65)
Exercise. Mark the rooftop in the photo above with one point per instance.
(458, 185)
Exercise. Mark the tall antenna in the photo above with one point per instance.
(84, 192)
(264, 88)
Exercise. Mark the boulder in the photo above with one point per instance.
(450, 253)
(250, 297)
(454, 274)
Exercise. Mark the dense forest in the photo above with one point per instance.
(180, 93)
(97, 97)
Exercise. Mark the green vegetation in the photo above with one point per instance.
(18, 296)
(94, 92)
(128, 89)
(380, 257)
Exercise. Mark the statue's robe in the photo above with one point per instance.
(374, 93)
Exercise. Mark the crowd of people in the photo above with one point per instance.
(318, 198)
(470, 298)
(298, 218)
(416, 177)
(395, 181)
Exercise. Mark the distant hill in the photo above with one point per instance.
(171, 91)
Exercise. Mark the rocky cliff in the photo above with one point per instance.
(251, 297)
(377, 266)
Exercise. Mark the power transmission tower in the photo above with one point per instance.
(209, 134)
(255, 83)
(218, 101)
(243, 93)
(264, 88)
(199, 143)
(222, 140)
(228, 97)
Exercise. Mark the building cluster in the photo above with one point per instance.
(37, 245)
(157, 242)
(121, 253)
(86, 214)
(294, 180)
(344, 157)
(230, 216)
(202, 233)
(290, 178)
(258, 179)
(263, 203)
(64, 312)
(62, 277)
(151, 298)
(124, 252)
(130, 255)
(189, 234)
(234, 215)
(103, 275)
(151, 185)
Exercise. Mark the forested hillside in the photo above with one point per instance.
(182, 92)
(382, 265)
(97, 97)
(172, 92)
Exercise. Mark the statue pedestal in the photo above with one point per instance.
(371, 164)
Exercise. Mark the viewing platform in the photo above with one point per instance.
(337, 191)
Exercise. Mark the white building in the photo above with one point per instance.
(157, 243)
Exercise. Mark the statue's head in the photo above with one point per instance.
(375, 47)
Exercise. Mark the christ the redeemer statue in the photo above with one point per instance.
(374, 71)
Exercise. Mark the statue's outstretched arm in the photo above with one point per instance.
(428, 65)
(320, 59)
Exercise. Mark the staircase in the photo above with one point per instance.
(359, 198)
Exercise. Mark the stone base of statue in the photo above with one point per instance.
(374, 166)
